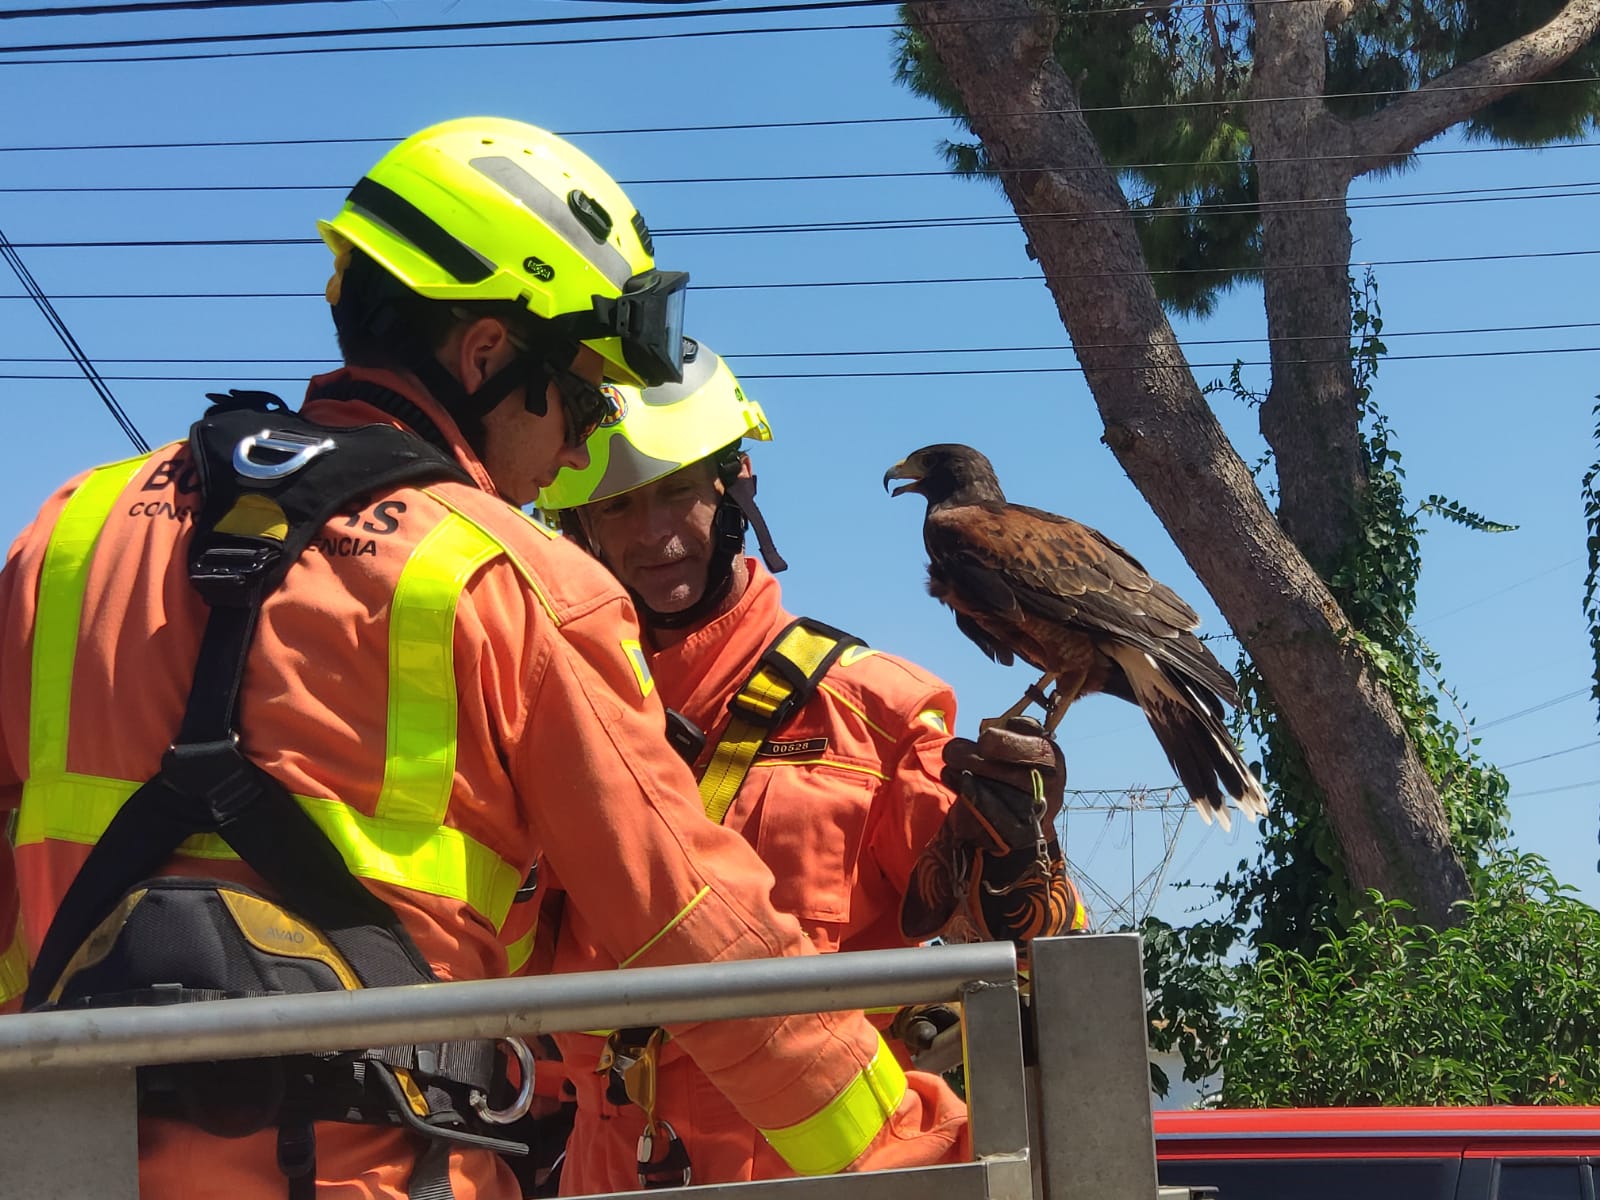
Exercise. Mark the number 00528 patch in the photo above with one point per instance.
(788, 749)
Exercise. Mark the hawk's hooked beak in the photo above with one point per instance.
(904, 469)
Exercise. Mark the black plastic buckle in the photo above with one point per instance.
(230, 576)
(297, 1149)
(236, 399)
(215, 772)
(687, 738)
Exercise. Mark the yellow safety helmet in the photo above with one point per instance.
(488, 209)
(661, 430)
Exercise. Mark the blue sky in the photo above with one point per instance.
(1508, 435)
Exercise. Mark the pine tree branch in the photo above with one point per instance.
(1456, 95)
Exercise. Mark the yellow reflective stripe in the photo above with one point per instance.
(62, 581)
(438, 861)
(764, 692)
(729, 764)
(667, 928)
(14, 966)
(856, 708)
(423, 855)
(515, 560)
(520, 951)
(834, 1138)
(420, 765)
(777, 763)
(640, 662)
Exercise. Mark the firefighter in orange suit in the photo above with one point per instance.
(438, 689)
(835, 761)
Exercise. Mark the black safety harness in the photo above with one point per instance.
(125, 934)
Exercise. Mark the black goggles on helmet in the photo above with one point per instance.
(648, 320)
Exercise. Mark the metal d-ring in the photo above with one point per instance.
(300, 451)
(518, 1108)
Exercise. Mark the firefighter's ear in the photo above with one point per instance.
(476, 350)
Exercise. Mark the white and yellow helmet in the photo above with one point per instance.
(661, 430)
(664, 429)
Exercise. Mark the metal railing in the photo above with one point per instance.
(67, 1078)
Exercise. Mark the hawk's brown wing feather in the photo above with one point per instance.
(1005, 557)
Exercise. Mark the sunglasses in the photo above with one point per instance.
(585, 406)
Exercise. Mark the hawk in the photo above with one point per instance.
(1028, 584)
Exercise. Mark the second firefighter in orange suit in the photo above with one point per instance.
(848, 798)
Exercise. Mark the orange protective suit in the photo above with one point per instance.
(558, 756)
(839, 806)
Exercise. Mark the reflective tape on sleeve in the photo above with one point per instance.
(436, 860)
(14, 966)
(63, 580)
(420, 764)
(406, 842)
(835, 1137)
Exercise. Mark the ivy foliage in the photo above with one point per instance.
(1591, 581)
(1501, 1009)
(1295, 896)
(1297, 887)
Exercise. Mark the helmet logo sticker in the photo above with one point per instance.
(590, 214)
(618, 409)
(539, 269)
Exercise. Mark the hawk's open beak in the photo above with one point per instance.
(901, 471)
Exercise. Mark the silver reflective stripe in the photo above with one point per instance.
(697, 372)
(553, 211)
(629, 467)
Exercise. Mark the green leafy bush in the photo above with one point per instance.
(1502, 1009)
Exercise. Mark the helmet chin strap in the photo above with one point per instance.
(736, 512)
(727, 536)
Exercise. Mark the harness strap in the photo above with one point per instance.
(785, 679)
(245, 543)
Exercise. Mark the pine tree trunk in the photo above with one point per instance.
(1382, 806)
(1311, 416)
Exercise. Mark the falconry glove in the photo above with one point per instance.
(995, 871)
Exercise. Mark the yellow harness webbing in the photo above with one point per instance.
(785, 677)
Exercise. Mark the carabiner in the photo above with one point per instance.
(518, 1108)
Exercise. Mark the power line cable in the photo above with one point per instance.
(107, 10)
(148, 6)
(982, 371)
(1549, 791)
(1522, 762)
(821, 177)
(613, 39)
(497, 44)
(928, 374)
(901, 225)
(923, 351)
(791, 285)
(1530, 710)
(749, 126)
(287, 35)
(914, 282)
(1501, 592)
(14, 260)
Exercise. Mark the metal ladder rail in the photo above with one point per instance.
(65, 1074)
